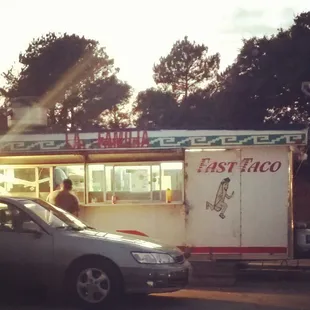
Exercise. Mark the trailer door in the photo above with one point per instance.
(212, 193)
(265, 202)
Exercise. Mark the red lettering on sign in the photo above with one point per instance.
(145, 139)
(211, 167)
(202, 164)
(231, 165)
(275, 166)
(246, 165)
(128, 139)
(123, 139)
(263, 167)
(116, 139)
(76, 142)
(218, 167)
(221, 167)
(254, 167)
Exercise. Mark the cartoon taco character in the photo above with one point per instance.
(219, 203)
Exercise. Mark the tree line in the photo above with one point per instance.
(78, 82)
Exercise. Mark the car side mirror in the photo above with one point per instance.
(32, 227)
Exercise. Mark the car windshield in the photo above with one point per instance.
(53, 216)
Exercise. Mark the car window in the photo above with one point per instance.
(46, 215)
(13, 219)
(52, 215)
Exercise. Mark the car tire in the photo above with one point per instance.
(94, 283)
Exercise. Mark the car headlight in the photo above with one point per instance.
(152, 258)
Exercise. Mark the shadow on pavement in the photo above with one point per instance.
(280, 287)
(158, 302)
(194, 303)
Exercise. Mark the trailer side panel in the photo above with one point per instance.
(238, 203)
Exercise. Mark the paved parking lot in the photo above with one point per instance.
(245, 296)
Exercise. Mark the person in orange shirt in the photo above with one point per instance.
(64, 198)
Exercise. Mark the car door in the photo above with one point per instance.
(26, 255)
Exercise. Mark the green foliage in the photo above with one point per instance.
(73, 76)
(185, 78)
(264, 83)
(156, 109)
(76, 79)
(186, 68)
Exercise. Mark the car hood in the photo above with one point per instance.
(143, 243)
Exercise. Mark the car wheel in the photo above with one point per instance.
(93, 284)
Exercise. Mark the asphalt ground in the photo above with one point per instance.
(244, 295)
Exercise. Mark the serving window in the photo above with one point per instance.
(138, 182)
(19, 181)
(31, 181)
(135, 182)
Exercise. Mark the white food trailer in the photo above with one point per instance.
(231, 191)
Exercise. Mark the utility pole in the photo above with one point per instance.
(305, 88)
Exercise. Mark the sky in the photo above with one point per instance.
(137, 33)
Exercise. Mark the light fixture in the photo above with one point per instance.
(205, 150)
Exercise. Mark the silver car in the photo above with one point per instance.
(42, 244)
